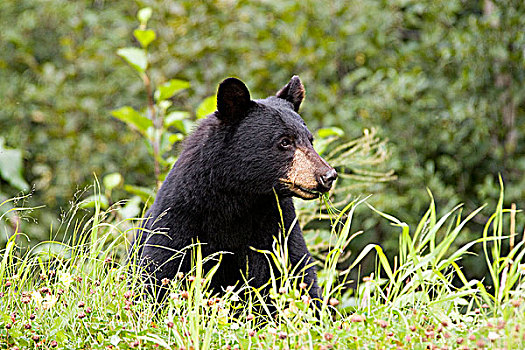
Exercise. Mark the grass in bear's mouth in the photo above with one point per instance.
(61, 295)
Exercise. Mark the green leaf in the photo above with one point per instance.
(90, 202)
(145, 37)
(135, 57)
(133, 118)
(112, 180)
(176, 138)
(143, 15)
(174, 117)
(184, 125)
(145, 193)
(168, 139)
(131, 209)
(208, 106)
(165, 143)
(327, 132)
(11, 167)
(170, 88)
(179, 124)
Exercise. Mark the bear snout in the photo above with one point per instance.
(309, 174)
(327, 179)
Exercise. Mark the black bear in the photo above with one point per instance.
(222, 190)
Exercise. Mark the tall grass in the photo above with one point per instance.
(82, 293)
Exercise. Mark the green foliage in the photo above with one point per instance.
(85, 293)
(133, 118)
(360, 165)
(11, 167)
(442, 81)
(170, 88)
(207, 106)
(158, 116)
(135, 57)
(59, 78)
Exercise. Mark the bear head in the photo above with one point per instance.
(269, 142)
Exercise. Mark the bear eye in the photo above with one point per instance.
(285, 142)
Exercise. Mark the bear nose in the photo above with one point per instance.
(328, 178)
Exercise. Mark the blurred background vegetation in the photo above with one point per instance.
(442, 81)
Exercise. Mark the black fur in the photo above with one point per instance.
(221, 190)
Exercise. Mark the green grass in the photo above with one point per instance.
(86, 296)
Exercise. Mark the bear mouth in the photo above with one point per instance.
(305, 193)
(300, 191)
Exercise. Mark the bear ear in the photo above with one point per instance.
(293, 92)
(233, 100)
